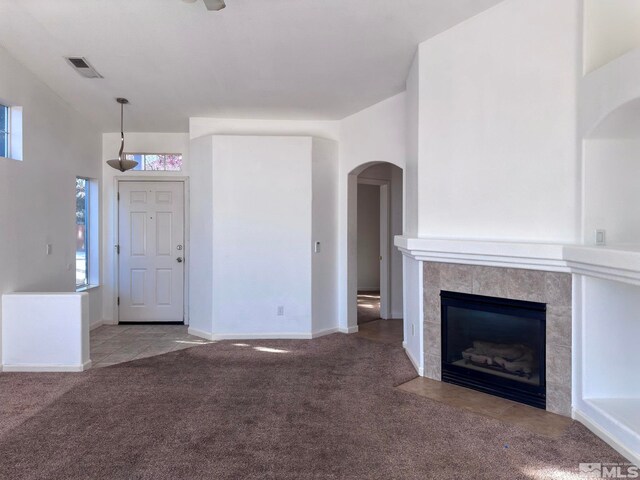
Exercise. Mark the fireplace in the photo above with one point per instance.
(495, 345)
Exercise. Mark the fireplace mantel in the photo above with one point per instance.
(619, 263)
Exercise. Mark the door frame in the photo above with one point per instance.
(385, 243)
(187, 240)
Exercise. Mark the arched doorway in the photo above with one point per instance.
(374, 265)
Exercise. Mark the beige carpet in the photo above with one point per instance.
(317, 409)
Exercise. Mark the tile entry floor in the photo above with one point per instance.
(111, 344)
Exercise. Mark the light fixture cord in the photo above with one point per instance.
(121, 135)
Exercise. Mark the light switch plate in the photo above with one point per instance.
(601, 237)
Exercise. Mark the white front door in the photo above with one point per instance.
(151, 244)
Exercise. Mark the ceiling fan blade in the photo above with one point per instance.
(214, 4)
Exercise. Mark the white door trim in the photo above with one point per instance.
(187, 241)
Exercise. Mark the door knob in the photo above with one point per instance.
(179, 259)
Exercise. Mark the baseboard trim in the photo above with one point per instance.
(348, 329)
(606, 436)
(93, 326)
(416, 365)
(326, 331)
(97, 324)
(200, 333)
(40, 368)
(261, 336)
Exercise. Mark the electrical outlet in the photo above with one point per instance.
(280, 310)
(601, 237)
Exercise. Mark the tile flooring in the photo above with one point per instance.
(533, 419)
(111, 344)
(385, 331)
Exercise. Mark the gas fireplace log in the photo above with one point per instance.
(516, 358)
(524, 366)
(479, 359)
(509, 352)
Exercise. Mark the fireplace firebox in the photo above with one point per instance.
(495, 345)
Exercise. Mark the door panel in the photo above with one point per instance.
(151, 239)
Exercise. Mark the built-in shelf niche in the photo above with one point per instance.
(607, 388)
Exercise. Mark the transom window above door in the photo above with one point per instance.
(163, 162)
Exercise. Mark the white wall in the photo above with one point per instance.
(497, 125)
(397, 221)
(139, 143)
(611, 193)
(45, 332)
(376, 134)
(201, 235)
(412, 121)
(413, 312)
(261, 235)
(37, 194)
(324, 229)
(610, 30)
(258, 205)
(368, 237)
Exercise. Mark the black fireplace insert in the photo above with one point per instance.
(495, 345)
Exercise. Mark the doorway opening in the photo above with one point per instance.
(375, 273)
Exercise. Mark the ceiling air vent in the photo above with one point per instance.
(83, 67)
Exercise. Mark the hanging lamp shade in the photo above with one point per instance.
(122, 163)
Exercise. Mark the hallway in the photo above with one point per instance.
(368, 307)
(371, 326)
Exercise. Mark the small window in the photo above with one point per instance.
(161, 162)
(82, 232)
(11, 132)
(5, 136)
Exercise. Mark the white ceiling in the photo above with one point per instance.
(296, 59)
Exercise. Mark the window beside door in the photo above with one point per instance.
(4, 131)
(11, 132)
(87, 246)
(161, 162)
(82, 231)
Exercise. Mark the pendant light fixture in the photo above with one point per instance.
(122, 163)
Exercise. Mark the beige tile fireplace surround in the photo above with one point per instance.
(552, 288)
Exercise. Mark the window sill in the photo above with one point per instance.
(86, 288)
